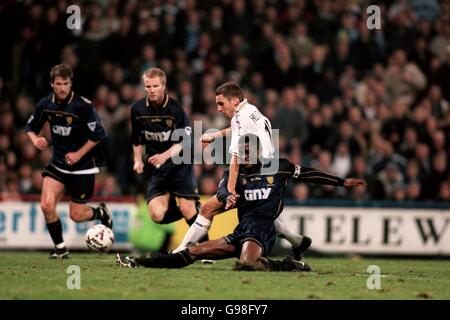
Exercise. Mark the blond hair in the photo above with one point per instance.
(155, 72)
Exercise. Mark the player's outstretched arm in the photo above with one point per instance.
(207, 138)
(311, 175)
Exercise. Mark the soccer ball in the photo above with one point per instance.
(99, 238)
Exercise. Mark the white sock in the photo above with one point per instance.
(60, 245)
(196, 232)
(283, 232)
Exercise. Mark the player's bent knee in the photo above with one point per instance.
(48, 207)
(251, 252)
(157, 216)
(187, 209)
(157, 213)
(207, 211)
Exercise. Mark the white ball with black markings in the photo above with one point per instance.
(99, 238)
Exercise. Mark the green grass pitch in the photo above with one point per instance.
(30, 275)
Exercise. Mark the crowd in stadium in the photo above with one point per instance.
(371, 104)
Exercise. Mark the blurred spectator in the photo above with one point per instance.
(36, 182)
(385, 154)
(439, 173)
(423, 158)
(440, 106)
(12, 189)
(441, 41)
(108, 187)
(444, 192)
(389, 184)
(442, 75)
(290, 119)
(342, 160)
(403, 80)
(412, 172)
(324, 163)
(408, 143)
(208, 185)
(299, 41)
(300, 192)
(25, 176)
(413, 191)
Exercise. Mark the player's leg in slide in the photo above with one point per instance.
(252, 259)
(202, 223)
(214, 249)
(52, 191)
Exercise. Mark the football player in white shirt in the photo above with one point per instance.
(245, 119)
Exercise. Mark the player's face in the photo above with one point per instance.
(61, 87)
(154, 88)
(227, 106)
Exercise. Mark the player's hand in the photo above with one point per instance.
(157, 160)
(207, 138)
(138, 167)
(72, 158)
(40, 143)
(350, 182)
(231, 201)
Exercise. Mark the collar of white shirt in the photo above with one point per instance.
(242, 105)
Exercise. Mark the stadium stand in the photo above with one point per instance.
(356, 102)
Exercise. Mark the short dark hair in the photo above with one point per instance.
(62, 70)
(230, 90)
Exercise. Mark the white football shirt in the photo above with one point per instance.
(248, 119)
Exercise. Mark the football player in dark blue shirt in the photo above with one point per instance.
(78, 138)
(259, 199)
(160, 124)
